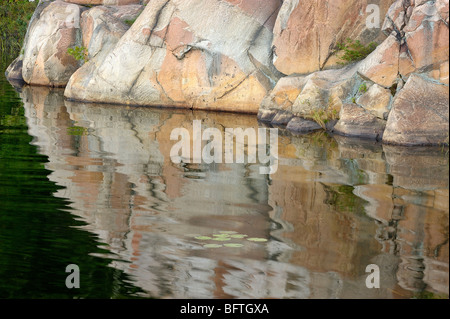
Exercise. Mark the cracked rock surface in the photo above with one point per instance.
(397, 94)
(196, 54)
(306, 32)
(274, 58)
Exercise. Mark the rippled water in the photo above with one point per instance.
(94, 185)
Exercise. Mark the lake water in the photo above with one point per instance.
(94, 185)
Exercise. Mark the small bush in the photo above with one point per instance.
(322, 116)
(363, 88)
(355, 50)
(130, 22)
(79, 53)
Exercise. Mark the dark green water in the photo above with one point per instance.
(39, 236)
(93, 185)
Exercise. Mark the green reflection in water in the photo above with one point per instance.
(342, 199)
(38, 235)
(77, 130)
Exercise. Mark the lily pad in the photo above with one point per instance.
(255, 239)
(228, 232)
(203, 238)
(212, 246)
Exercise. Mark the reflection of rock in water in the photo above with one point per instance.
(114, 165)
(97, 191)
(409, 206)
(317, 211)
(418, 168)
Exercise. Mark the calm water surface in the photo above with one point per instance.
(94, 185)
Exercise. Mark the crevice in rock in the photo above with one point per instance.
(234, 87)
(270, 74)
(181, 51)
(134, 82)
(156, 19)
(393, 89)
(162, 88)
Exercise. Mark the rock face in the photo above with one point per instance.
(307, 31)
(381, 66)
(102, 28)
(373, 90)
(14, 70)
(206, 54)
(424, 42)
(52, 30)
(319, 96)
(417, 43)
(57, 26)
(275, 58)
(303, 126)
(420, 114)
(355, 121)
(304, 95)
(376, 100)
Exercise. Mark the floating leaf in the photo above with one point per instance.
(255, 239)
(228, 232)
(203, 238)
(212, 246)
(234, 245)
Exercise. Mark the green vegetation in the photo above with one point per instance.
(306, 102)
(77, 131)
(14, 18)
(323, 116)
(130, 22)
(226, 236)
(354, 50)
(342, 199)
(429, 295)
(79, 53)
(363, 88)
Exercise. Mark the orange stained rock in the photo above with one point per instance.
(259, 11)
